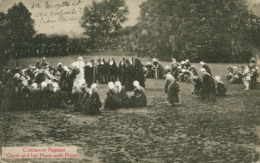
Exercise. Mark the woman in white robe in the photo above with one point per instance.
(79, 80)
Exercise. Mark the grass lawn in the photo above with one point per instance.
(192, 131)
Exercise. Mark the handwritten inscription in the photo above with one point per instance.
(59, 12)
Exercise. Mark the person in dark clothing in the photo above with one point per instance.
(206, 67)
(112, 70)
(121, 71)
(159, 70)
(254, 76)
(167, 70)
(221, 87)
(172, 89)
(174, 68)
(91, 103)
(122, 94)
(209, 88)
(139, 99)
(103, 67)
(129, 76)
(150, 70)
(88, 74)
(113, 99)
(197, 85)
(139, 72)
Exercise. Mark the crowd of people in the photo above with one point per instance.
(247, 75)
(43, 85)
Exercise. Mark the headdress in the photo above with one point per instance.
(118, 85)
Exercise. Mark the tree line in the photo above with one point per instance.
(208, 30)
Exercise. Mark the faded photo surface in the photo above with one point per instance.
(129, 81)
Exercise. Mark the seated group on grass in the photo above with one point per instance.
(247, 75)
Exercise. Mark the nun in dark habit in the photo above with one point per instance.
(89, 74)
(129, 76)
(103, 69)
(112, 70)
(139, 73)
(121, 71)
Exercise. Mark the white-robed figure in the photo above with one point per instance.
(79, 80)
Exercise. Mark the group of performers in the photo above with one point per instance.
(43, 85)
(247, 75)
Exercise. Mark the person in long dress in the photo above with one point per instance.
(209, 88)
(247, 77)
(129, 76)
(139, 99)
(197, 85)
(112, 100)
(121, 71)
(112, 70)
(254, 76)
(221, 87)
(172, 89)
(91, 104)
(77, 97)
(150, 70)
(89, 74)
(139, 72)
(174, 69)
(122, 94)
(79, 80)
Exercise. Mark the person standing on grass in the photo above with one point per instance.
(247, 77)
(121, 71)
(129, 76)
(89, 74)
(206, 67)
(172, 89)
(209, 88)
(175, 70)
(139, 72)
(254, 76)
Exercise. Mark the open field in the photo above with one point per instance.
(192, 131)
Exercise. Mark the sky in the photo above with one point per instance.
(53, 18)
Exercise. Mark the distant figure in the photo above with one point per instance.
(206, 67)
(158, 69)
(129, 76)
(112, 70)
(247, 77)
(121, 71)
(197, 85)
(208, 89)
(91, 104)
(221, 87)
(230, 72)
(139, 99)
(149, 71)
(187, 64)
(89, 74)
(172, 89)
(254, 76)
(112, 100)
(167, 70)
(138, 72)
(79, 80)
(175, 71)
(122, 95)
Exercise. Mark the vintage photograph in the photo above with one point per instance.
(129, 81)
